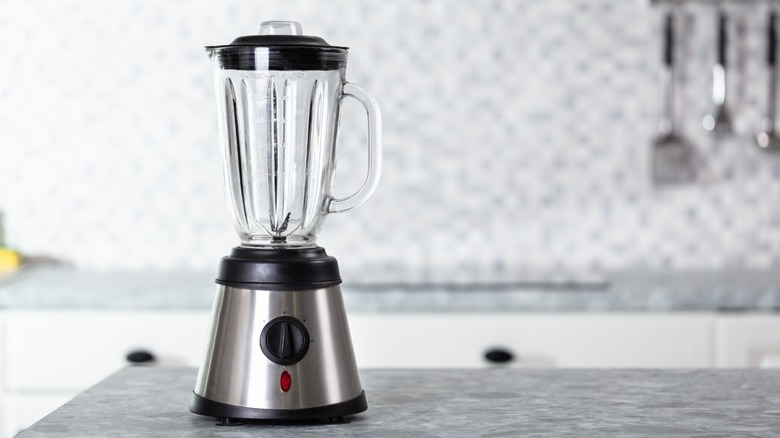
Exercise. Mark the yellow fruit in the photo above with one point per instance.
(9, 259)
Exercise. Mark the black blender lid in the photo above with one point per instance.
(278, 33)
(280, 45)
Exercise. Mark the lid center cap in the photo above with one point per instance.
(280, 28)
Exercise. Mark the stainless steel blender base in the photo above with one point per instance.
(281, 355)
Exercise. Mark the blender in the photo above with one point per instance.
(279, 346)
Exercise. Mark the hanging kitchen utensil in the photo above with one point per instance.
(767, 139)
(719, 122)
(673, 157)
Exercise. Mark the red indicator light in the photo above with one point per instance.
(285, 381)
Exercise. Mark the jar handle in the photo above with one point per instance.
(338, 205)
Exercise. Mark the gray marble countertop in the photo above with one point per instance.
(61, 288)
(152, 402)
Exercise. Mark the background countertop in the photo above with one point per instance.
(734, 291)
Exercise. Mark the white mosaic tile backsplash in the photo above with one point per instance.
(516, 135)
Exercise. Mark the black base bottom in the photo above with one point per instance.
(229, 413)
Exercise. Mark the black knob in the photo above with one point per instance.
(140, 356)
(284, 340)
(498, 355)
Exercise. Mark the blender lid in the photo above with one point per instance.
(277, 34)
(280, 45)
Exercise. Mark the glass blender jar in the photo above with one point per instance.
(278, 101)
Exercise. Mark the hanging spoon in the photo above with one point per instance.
(767, 139)
(719, 122)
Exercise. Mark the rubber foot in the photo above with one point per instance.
(229, 422)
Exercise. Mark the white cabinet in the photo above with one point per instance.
(47, 357)
(444, 340)
(22, 411)
(50, 356)
(748, 341)
(4, 431)
(76, 349)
